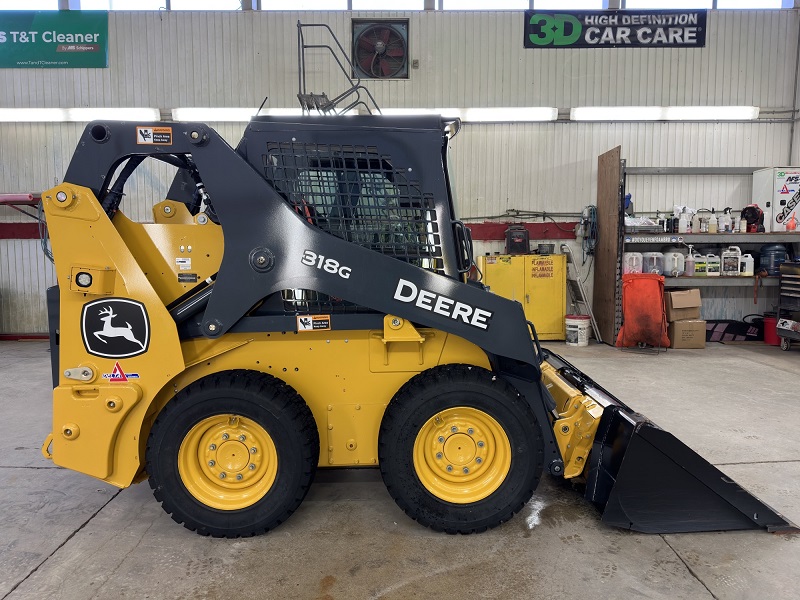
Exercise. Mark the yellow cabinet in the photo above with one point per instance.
(538, 282)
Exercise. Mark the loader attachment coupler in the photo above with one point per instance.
(643, 478)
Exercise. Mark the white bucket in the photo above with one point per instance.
(578, 329)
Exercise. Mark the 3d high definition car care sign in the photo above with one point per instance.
(615, 29)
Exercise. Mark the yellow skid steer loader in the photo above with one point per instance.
(301, 302)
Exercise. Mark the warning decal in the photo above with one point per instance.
(313, 322)
(119, 375)
(154, 135)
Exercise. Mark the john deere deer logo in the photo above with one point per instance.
(109, 331)
(115, 328)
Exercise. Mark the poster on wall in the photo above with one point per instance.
(55, 39)
(615, 29)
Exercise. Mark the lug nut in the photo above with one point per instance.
(211, 463)
(440, 439)
(466, 470)
(479, 460)
(470, 431)
(212, 447)
(238, 477)
(253, 450)
(252, 467)
(222, 475)
(439, 455)
(225, 436)
(481, 444)
(453, 429)
(449, 468)
(242, 438)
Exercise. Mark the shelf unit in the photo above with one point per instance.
(613, 241)
(682, 282)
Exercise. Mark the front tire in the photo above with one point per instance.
(459, 449)
(233, 454)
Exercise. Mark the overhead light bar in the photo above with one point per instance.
(664, 113)
(484, 115)
(229, 114)
(78, 115)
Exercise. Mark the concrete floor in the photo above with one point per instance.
(65, 535)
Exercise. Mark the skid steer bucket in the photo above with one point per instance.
(643, 478)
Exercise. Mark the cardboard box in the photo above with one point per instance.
(682, 305)
(687, 334)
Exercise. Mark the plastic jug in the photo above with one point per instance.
(747, 265)
(724, 222)
(772, 255)
(683, 222)
(731, 257)
(700, 265)
(688, 265)
(674, 264)
(631, 262)
(712, 265)
(653, 262)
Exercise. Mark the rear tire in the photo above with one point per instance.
(460, 450)
(233, 454)
(785, 344)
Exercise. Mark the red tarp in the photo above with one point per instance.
(643, 318)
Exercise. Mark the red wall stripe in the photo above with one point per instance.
(491, 231)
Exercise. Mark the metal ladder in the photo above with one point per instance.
(577, 294)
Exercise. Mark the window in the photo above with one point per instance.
(30, 5)
(485, 4)
(206, 5)
(123, 4)
(570, 4)
(754, 4)
(384, 5)
(668, 4)
(304, 5)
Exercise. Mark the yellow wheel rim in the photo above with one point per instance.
(462, 455)
(228, 462)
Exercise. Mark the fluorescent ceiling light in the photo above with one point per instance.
(664, 113)
(515, 113)
(229, 114)
(80, 115)
(484, 115)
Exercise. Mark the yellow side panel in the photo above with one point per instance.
(175, 257)
(90, 417)
(334, 372)
(88, 434)
(351, 434)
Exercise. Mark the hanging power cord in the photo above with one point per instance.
(44, 237)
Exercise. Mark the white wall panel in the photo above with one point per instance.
(552, 167)
(170, 59)
(25, 275)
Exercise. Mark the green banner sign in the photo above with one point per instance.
(61, 39)
(615, 29)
